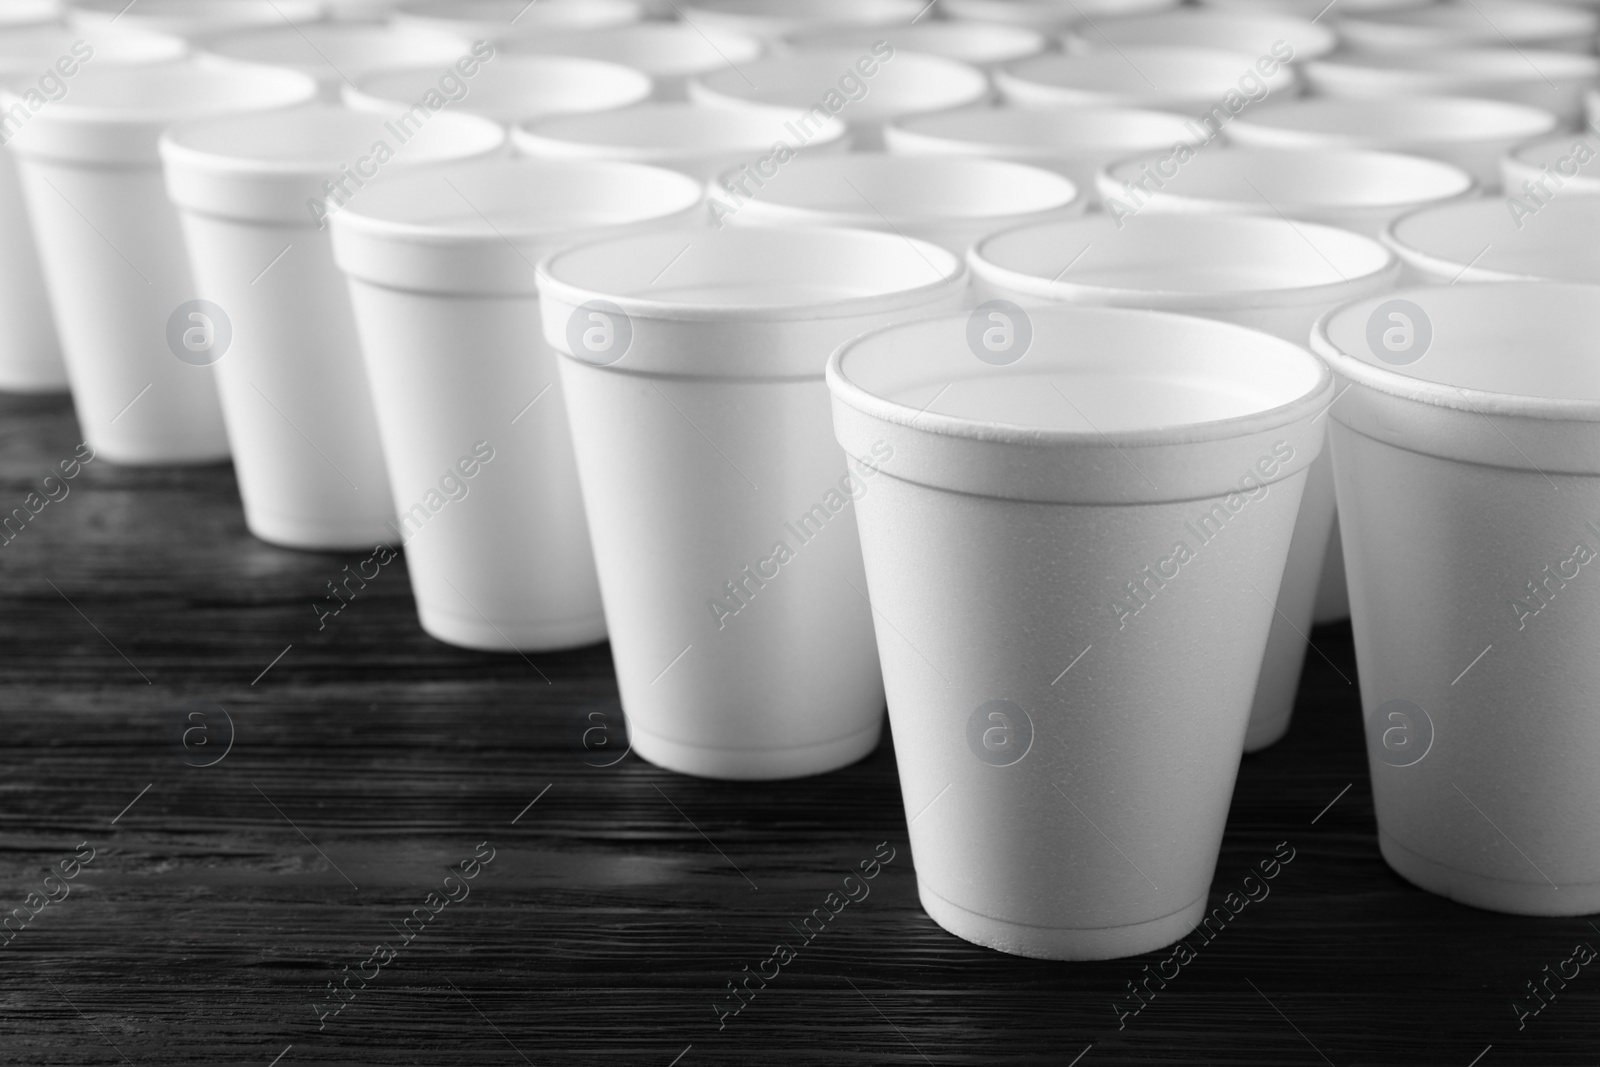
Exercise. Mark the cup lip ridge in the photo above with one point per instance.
(846, 391)
(1290, 296)
(355, 221)
(1549, 122)
(175, 153)
(1221, 205)
(555, 288)
(788, 211)
(1469, 272)
(1471, 401)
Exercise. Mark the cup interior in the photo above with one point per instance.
(970, 42)
(1573, 157)
(907, 82)
(1177, 256)
(494, 19)
(1286, 179)
(29, 12)
(1484, 22)
(749, 268)
(657, 48)
(1067, 131)
(1561, 243)
(181, 89)
(191, 17)
(1145, 71)
(1201, 28)
(338, 49)
(1515, 339)
(513, 87)
(1087, 372)
(1464, 65)
(775, 14)
(320, 137)
(669, 130)
(30, 49)
(1413, 119)
(496, 197)
(1050, 14)
(864, 188)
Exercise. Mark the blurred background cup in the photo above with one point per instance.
(469, 404)
(113, 254)
(16, 14)
(771, 20)
(1307, 9)
(982, 44)
(1540, 170)
(719, 504)
(253, 192)
(949, 200)
(1266, 273)
(45, 57)
(1173, 77)
(506, 88)
(191, 19)
(1074, 141)
(1467, 454)
(1358, 190)
(1480, 241)
(1552, 80)
(1467, 23)
(865, 89)
(1255, 33)
(371, 11)
(700, 141)
(1049, 16)
(1035, 477)
(334, 52)
(669, 52)
(1471, 133)
(497, 20)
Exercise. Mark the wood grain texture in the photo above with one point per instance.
(371, 758)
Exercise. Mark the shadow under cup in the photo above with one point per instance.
(1072, 561)
(1467, 459)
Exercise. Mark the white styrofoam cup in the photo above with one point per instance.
(112, 249)
(253, 195)
(1467, 458)
(719, 504)
(1072, 559)
(440, 268)
(1266, 273)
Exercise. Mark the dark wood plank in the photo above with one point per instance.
(370, 758)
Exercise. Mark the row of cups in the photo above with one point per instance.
(597, 415)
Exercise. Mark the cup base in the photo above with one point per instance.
(545, 635)
(1061, 943)
(318, 535)
(1266, 732)
(1491, 894)
(755, 764)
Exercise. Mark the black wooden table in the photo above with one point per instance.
(267, 803)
